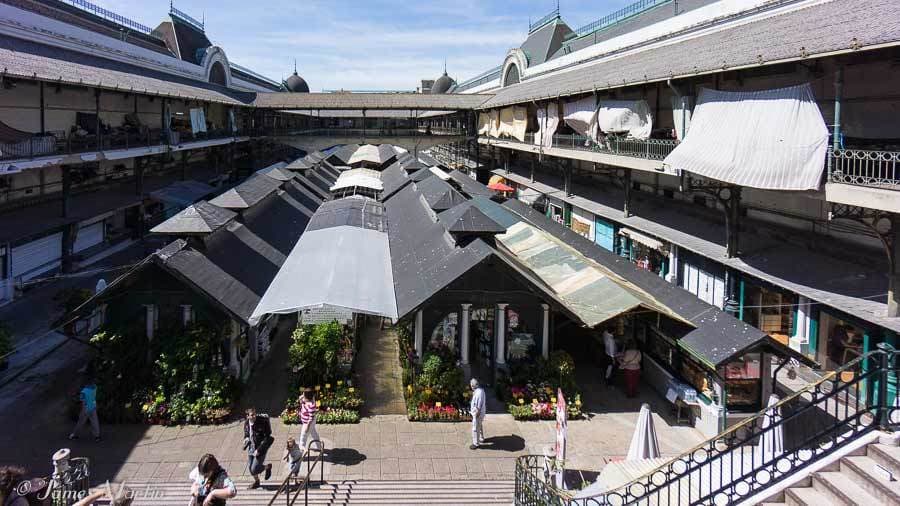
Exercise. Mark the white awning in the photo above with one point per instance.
(494, 127)
(437, 171)
(643, 239)
(343, 267)
(506, 128)
(519, 123)
(530, 196)
(484, 123)
(772, 139)
(364, 178)
(631, 117)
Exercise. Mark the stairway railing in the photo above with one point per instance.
(815, 421)
(290, 479)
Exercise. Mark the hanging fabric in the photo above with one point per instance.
(581, 116)
(629, 117)
(507, 117)
(232, 124)
(548, 122)
(484, 123)
(681, 115)
(494, 130)
(771, 139)
(198, 120)
(519, 123)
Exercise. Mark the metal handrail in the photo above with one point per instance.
(310, 467)
(111, 16)
(617, 16)
(543, 20)
(650, 149)
(852, 408)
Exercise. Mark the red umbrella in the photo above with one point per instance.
(500, 187)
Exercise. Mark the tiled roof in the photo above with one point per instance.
(803, 33)
(31, 60)
(356, 101)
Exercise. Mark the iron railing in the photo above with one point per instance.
(554, 14)
(650, 149)
(815, 422)
(111, 16)
(865, 168)
(302, 483)
(58, 143)
(370, 132)
(618, 16)
(480, 79)
(187, 18)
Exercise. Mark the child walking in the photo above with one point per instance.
(308, 412)
(293, 455)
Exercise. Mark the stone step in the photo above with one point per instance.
(841, 488)
(807, 497)
(864, 472)
(886, 455)
(348, 492)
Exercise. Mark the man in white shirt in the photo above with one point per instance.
(476, 409)
(609, 346)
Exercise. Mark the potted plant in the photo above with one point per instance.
(6, 346)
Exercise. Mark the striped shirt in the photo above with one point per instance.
(307, 411)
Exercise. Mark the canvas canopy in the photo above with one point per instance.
(631, 117)
(548, 122)
(507, 116)
(484, 123)
(772, 139)
(581, 116)
(589, 291)
(494, 128)
(364, 178)
(344, 267)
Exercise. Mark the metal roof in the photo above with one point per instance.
(183, 193)
(364, 178)
(248, 193)
(356, 211)
(468, 185)
(805, 33)
(199, 218)
(467, 217)
(439, 194)
(278, 172)
(368, 101)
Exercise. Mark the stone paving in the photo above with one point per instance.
(378, 367)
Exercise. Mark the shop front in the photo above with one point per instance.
(769, 309)
(702, 277)
(644, 251)
(582, 223)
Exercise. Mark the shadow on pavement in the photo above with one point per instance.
(344, 456)
(512, 443)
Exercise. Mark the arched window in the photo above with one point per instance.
(217, 74)
(512, 75)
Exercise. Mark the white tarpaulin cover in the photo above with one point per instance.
(494, 129)
(548, 122)
(346, 267)
(681, 115)
(581, 116)
(364, 178)
(507, 115)
(773, 139)
(520, 123)
(484, 123)
(630, 117)
(198, 120)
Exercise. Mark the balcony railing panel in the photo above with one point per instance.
(649, 149)
(865, 168)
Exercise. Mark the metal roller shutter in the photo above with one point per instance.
(88, 235)
(37, 257)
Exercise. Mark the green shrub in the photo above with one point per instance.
(336, 416)
(313, 355)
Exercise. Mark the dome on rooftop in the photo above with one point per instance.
(296, 84)
(442, 84)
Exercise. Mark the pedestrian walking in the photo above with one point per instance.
(630, 362)
(88, 397)
(610, 352)
(308, 411)
(211, 485)
(257, 441)
(293, 456)
(476, 409)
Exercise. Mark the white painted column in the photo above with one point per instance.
(464, 334)
(545, 331)
(500, 319)
(151, 321)
(801, 326)
(672, 276)
(418, 334)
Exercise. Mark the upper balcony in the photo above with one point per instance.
(617, 151)
(864, 178)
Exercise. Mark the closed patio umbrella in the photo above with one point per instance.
(644, 444)
(771, 441)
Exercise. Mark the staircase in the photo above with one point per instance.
(348, 492)
(869, 477)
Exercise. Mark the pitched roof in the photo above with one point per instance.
(393, 178)
(356, 211)
(248, 193)
(278, 172)
(469, 186)
(467, 217)
(199, 218)
(439, 194)
(803, 33)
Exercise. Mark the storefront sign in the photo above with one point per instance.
(562, 429)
